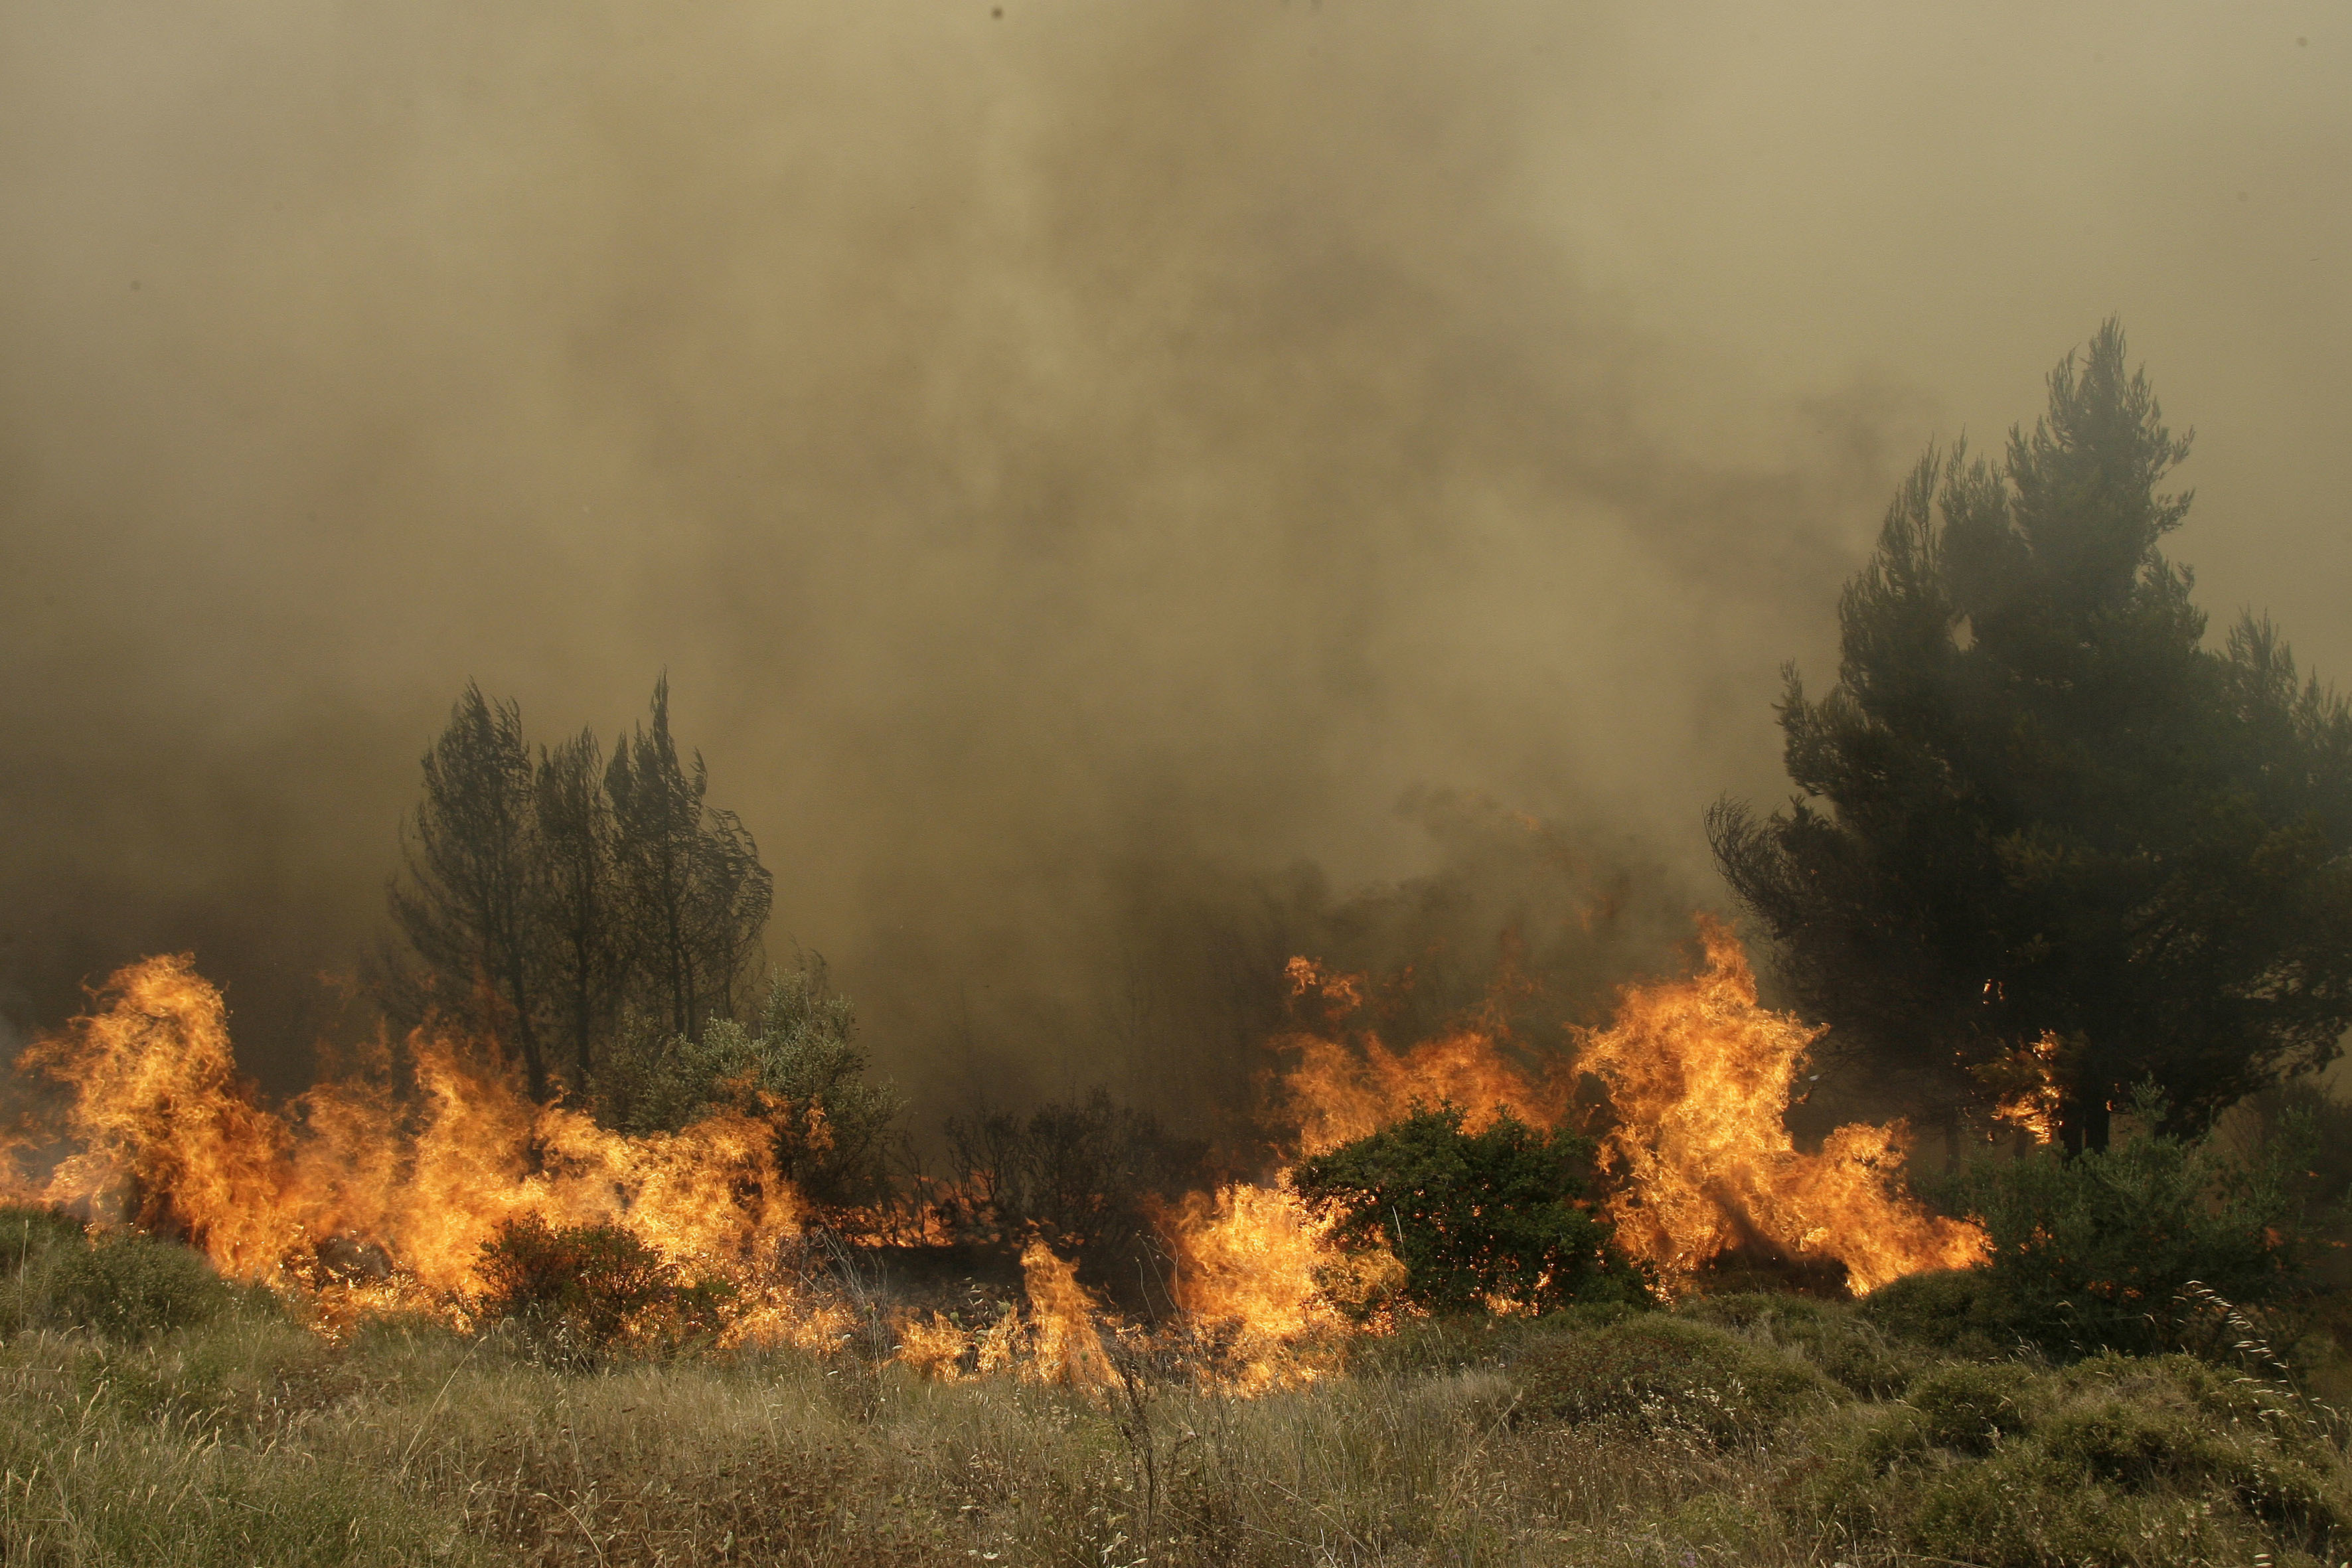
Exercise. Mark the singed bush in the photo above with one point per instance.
(581, 1291)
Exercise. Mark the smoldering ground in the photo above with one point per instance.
(1080, 467)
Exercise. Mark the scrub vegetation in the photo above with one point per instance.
(153, 1413)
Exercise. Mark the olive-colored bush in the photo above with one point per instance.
(1960, 1311)
(578, 1292)
(129, 1286)
(2116, 1460)
(27, 1231)
(1851, 1350)
(1668, 1372)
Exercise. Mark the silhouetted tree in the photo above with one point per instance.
(582, 925)
(690, 876)
(470, 903)
(542, 902)
(2043, 830)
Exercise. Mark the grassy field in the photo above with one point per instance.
(173, 1420)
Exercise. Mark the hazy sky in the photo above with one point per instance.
(1110, 432)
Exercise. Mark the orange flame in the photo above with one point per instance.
(1341, 1091)
(1066, 1342)
(1701, 1076)
(172, 1139)
(169, 1137)
(2027, 1081)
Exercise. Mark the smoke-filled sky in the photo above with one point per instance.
(1061, 450)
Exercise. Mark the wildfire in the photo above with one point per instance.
(351, 1183)
(2027, 1081)
(1700, 1076)
(1341, 1091)
(171, 1138)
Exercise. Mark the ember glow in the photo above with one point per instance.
(349, 1196)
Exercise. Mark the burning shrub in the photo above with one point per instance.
(1667, 1371)
(2092, 1251)
(586, 1289)
(1085, 1173)
(800, 1069)
(1486, 1219)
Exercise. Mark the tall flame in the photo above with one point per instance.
(171, 1138)
(1701, 1076)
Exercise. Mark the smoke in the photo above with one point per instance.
(1080, 467)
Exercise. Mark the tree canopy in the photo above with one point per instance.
(2047, 841)
(548, 898)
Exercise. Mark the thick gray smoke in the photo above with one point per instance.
(1080, 467)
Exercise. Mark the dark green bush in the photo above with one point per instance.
(129, 1286)
(2095, 1250)
(1667, 1371)
(1475, 1217)
(1960, 1311)
(580, 1291)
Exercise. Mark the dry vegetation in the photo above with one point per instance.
(1752, 1429)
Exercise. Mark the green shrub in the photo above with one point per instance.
(1475, 1217)
(2114, 1460)
(800, 1069)
(129, 1286)
(1960, 1311)
(1668, 1372)
(1852, 1351)
(29, 1230)
(582, 1290)
(1463, 1341)
(2092, 1252)
(1966, 1406)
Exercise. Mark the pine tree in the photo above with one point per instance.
(469, 904)
(582, 933)
(542, 902)
(2043, 831)
(690, 875)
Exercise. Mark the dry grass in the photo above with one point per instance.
(249, 1440)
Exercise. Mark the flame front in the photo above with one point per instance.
(172, 1139)
(1701, 1076)
(169, 1137)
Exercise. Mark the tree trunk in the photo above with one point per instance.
(2084, 1121)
